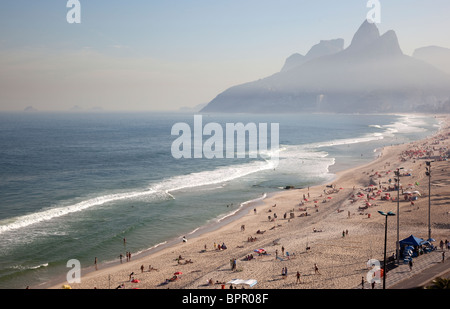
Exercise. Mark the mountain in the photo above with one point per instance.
(371, 75)
(324, 48)
(436, 56)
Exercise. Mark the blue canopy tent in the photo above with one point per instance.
(412, 241)
(407, 247)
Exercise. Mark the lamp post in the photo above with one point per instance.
(428, 173)
(397, 246)
(385, 241)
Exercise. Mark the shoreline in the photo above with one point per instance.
(158, 254)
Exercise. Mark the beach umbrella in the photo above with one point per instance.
(178, 273)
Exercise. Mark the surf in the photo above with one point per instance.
(160, 191)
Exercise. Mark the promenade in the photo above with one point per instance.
(425, 268)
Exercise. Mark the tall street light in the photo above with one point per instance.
(397, 246)
(385, 241)
(428, 173)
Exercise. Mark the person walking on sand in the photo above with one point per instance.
(410, 265)
(362, 283)
(443, 256)
(298, 277)
(316, 269)
(95, 262)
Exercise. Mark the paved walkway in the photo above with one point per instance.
(425, 268)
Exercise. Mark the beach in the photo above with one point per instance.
(326, 233)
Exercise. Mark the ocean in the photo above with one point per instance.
(75, 185)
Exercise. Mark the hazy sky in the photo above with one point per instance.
(165, 54)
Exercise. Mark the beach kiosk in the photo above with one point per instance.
(409, 247)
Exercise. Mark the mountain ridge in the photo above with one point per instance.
(371, 75)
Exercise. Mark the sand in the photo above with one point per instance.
(340, 230)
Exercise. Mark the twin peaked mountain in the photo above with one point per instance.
(371, 75)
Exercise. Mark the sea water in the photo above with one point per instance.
(75, 185)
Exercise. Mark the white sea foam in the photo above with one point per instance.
(51, 213)
(219, 175)
(148, 249)
(241, 206)
(305, 161)
(347, 141)
(161, 190)
(407, 124)
(21, 267)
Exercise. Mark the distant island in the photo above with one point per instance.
(371, 75)
(195, 109)
(74, 109)
(30, 109)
